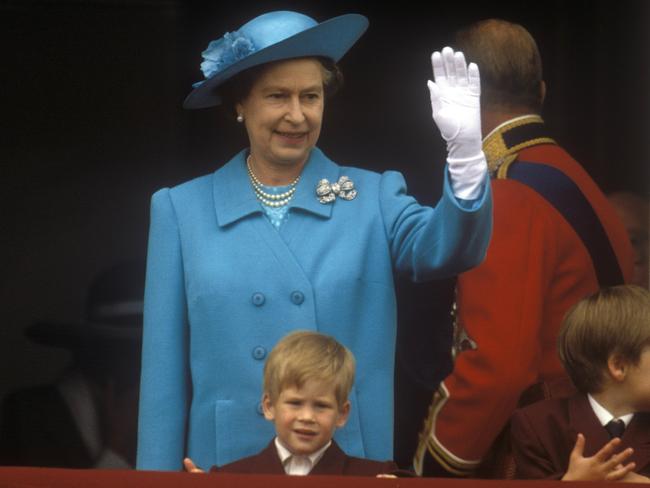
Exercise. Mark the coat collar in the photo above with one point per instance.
(234, 197)
(332, 462)
(268, 461)
(637, 434)
(583, 419)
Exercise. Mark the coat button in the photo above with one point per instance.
(260, 408)
(258, 299)
(259, 352)
(297, 297)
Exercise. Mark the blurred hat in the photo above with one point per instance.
(113, 310)
(273, 36)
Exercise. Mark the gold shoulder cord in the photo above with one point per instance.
(502, 146)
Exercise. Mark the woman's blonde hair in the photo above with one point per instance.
(306, 355)
(613, 321)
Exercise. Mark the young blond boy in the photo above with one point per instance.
(604, 345)
(307, 380)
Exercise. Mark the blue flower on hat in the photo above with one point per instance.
(223, 52)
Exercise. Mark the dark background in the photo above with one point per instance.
(92, 122)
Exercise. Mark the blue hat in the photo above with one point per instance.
(272, 37)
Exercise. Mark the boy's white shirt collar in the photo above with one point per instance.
(603, 414)
(299, 465)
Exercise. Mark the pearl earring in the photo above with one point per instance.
(240, 118)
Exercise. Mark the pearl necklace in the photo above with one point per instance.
(270, 199)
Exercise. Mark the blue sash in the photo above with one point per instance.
(561, 192)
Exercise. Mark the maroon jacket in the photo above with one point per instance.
(544, 433)
(334, 461)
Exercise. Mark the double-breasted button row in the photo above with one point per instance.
(296, 297)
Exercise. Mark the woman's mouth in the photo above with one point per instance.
(292, 137)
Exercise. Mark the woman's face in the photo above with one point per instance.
(283, 112)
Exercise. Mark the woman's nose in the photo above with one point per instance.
(295, 112)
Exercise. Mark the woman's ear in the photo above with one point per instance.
(617, 367)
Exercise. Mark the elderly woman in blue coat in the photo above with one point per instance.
(282, 238)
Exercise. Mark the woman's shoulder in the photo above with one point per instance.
(186, 191)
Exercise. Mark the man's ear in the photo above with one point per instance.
(344, 413)
(617, 367)
(542, 92)
(267, 406)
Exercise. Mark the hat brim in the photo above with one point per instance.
(331, 39)
(72, 335)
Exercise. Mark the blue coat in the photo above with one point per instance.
(223, 286)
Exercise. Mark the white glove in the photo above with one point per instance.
(456, 109)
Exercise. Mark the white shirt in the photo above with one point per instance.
(603, 414)
(297, 465)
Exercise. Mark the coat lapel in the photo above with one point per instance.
(637, 435)
(318, 167)
(332, 462)
(233, 195)
(583, 419)
(268, 461)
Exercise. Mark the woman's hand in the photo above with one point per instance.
(455, 102)
(456, 109)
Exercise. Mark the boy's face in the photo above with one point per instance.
(638, 381)
(305, 418)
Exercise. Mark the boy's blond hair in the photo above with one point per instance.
(305, 355)
(612, 321)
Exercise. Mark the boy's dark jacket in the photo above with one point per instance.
(333, 462)
(544, 433)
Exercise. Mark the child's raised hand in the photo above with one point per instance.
(602, 466)
(190, 467)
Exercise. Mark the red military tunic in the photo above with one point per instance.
(511, 306)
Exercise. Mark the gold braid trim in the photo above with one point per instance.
(429, 445)
(501, 153)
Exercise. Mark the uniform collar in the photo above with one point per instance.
(235, 199)
(502, 145)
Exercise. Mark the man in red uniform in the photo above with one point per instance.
(555, 240)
